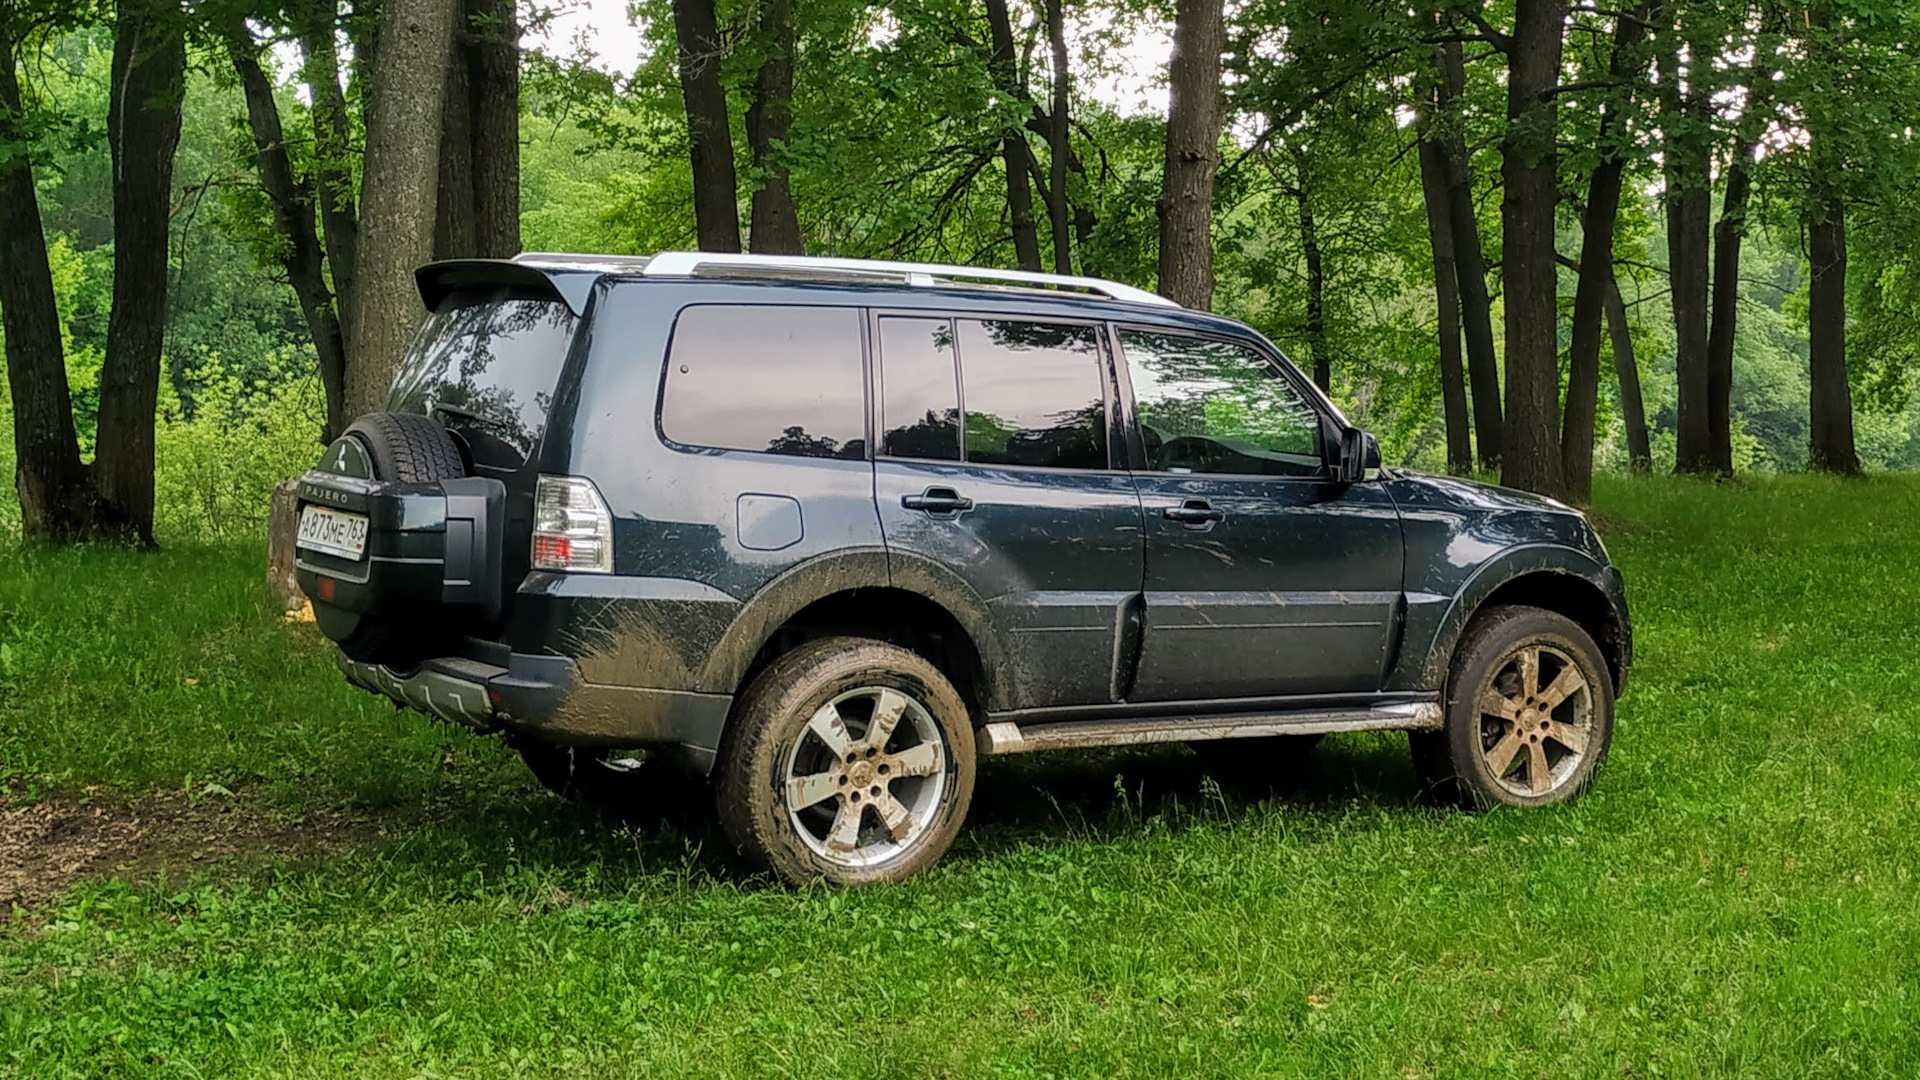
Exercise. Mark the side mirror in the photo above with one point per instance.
(1359, 456)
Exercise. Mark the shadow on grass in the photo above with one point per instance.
(489, 833)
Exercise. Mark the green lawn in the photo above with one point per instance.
(1736, 897)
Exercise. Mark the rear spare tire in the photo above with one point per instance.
(394, 448)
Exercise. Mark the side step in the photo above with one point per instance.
(1006, 737)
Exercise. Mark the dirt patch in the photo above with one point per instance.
(47, 847)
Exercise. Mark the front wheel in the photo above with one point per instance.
(849, 761)
(1529, 712)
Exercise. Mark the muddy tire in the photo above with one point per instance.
(1529, 713)
(848, 761)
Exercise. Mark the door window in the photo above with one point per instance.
(1209, 406)
(1032, 393)
(919, 392)
(779, 380)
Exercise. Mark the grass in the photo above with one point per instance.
(1736, 897)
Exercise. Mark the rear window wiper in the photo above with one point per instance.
(455, 410)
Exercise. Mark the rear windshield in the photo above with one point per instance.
(489, 360)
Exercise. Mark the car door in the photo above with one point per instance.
(993, 464)
(1264, 575)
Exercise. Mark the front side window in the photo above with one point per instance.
(1210, 406)
(779, 380)
(1032, 393)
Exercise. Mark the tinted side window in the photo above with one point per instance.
(781, 380)
(1032, 393)
(1213, 407)
(919, 393)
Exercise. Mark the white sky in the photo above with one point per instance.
(1130, 80)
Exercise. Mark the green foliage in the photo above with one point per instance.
(1744, 867)
(216, 462)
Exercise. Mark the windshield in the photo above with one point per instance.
(487, 360)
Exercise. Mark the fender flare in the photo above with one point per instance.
(1511, 565)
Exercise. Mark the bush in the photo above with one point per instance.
(218, 455)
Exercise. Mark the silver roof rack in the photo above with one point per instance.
(923, 275)
(564, 260)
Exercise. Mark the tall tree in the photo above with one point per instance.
(1626, 369)
(56, 500)
(398, 190)
(1057, 212)
(716, 205)
(1728, 233)
(774, 225)
(1686, 150)
(1531, 454)
(1453, 390)
(1830, 446)
(147, 88)
(1016, 155)
(316, 23)
(477, 213)
(1192, 154)
(1470, 264)
(293, 220)
(1625, 67)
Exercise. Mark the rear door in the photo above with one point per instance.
(1264, 576)
(994, 462)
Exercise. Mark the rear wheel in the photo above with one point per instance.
(1529, 713)
(849, 761)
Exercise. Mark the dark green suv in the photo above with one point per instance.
(825, 531)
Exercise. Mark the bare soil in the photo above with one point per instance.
(47, 847)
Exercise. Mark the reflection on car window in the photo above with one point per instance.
(1032, 393)
(488, 359)
(1213, 407)
(920, 398)
(780, 380)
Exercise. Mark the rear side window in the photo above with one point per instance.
(779, 380)
(1031, 392)
(487, 360)
(1033, 396)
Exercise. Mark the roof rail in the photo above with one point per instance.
(565, 260)
(923, 275)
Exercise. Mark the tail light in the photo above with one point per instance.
(572, 529)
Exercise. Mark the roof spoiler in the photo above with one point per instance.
(570, 285)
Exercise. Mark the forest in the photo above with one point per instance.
(1527, 240)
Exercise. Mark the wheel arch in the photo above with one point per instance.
(1557, 579)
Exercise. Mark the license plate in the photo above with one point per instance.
(335, 532)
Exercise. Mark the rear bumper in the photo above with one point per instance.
(543, 697)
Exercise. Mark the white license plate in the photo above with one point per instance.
(335, 532)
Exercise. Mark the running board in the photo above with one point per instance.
(1006, 737)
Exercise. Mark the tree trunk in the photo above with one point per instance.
(1453, 388)
(147, 87)
(1830, 445)
(775, 226)
(1470, 264)
(1531, 456)
(1633, 413)
(1057, 212)
(333, 159)
(453, 225)
(397, 212)
(716, 198)
(1017, 156)
(293, 219)
(1596, 265)
(1727, 235)
(493, 79)
(1193, 154)
(1316, 275)
(56, 502)
(1687, 164)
